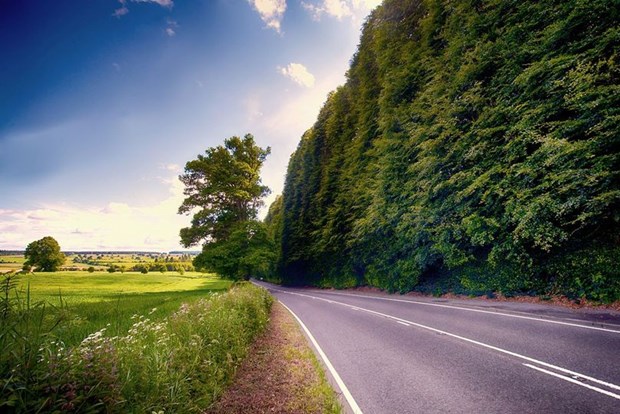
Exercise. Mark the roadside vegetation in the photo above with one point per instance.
(280, 375)
(172, 348)
(474, 147)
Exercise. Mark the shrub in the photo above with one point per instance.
(587, 273)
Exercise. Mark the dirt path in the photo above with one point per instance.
(280, 375)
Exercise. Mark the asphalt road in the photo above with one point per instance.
(401, 354)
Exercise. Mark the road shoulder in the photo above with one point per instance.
(280, 375)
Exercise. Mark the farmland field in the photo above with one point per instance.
(90, 301)
(12, 261)
(77, 287)
(122, 342)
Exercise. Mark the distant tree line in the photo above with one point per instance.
(103, 259)
(152, 267)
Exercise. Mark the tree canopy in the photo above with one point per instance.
(44, 254)
(225, 188)
(224, 185)
(247, 251)
(475, 139)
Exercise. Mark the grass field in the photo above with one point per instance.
(102, 261)
(122, 342)
(79, 287)
(127, 260)
(11, 262)
(91, 301)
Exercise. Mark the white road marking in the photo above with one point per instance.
(403, 323)
(509, 315)
(472, 341)
(345, 391)
(574, 381)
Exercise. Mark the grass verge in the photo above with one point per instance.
(281, 374)
(179, 363)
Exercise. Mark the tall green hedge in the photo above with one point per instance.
(478, 139)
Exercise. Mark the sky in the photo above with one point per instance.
(103, 102)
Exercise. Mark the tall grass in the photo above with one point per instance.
(174, 363)
(89, 301)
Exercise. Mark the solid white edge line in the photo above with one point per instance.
(509, 315)
(472, 341)
(345, 391)
(574, 381)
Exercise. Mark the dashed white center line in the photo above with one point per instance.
(574, 381)
(614, 328)
(564, 371)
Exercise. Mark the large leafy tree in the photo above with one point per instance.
(224, 191)
(44, 254)
(224, 186)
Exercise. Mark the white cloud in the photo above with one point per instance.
(113, 226)
(163, 3)
(171, 29)
(123, 10)
(271, 12)
(334, 8)
(298, 73)
(340, 8)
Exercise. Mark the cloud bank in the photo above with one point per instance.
(113, 226)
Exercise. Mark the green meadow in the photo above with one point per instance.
(122, 342)
(103, 261)
(91, 301)
(78, 287)
(11, 262)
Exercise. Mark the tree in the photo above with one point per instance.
(225, 186)
(44, 254)
(248, 251)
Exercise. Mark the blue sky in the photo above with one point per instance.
(102, 103)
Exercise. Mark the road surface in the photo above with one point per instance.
(401, 354)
